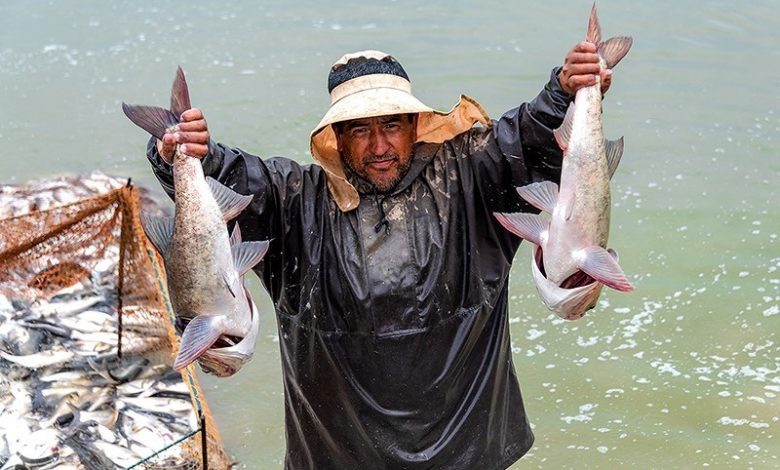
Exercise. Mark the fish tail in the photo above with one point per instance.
(594, 28)
(152, 119)
(614, 49)
(180, 94)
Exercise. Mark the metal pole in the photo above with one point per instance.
(204, 447)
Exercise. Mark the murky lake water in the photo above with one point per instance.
(682, 373)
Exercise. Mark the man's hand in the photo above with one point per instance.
(580, 68)
(192, 134)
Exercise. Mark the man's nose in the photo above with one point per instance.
(378, 143)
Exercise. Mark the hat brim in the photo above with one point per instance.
(432, 126)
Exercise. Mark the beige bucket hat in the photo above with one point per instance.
(379, 94)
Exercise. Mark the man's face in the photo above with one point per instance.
(379, 149)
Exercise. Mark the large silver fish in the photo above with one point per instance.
(205, 267)
(571, 262)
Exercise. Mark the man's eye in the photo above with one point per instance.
(391, 126)
(358, 131)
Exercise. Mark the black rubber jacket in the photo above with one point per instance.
(393, 317)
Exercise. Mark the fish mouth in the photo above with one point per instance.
(578, 279)
(224, 341)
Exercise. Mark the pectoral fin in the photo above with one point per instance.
(247, 254)
(614, 150)
(197, 337)
(563, 133)
(602, 266)
(540, 195)
(528, 226)
(230, 202)
(159, 230)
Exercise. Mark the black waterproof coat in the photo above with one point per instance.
(393, 317)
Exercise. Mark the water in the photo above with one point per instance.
(682, 373)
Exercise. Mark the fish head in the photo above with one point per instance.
(567, 303)
(226, 361)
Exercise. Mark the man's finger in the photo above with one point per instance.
(167, 147)
(606, 80)
(578, 81)
(198, 125)
(194, 150)
(582, 57)
(583, 69)
(585, 46)
(191, 115)
(192, 137)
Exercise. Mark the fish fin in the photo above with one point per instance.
(614, 150)
(541, 195)
(528, 226)
(235, 235)
(230, 202)
(569, 208)
(152, 119)
(602, 266)
(180, 95)
(159, 230)
(614, 49)
(563, 133)
(594, 28)
(226, 281)
(247, 254)
(198, 337)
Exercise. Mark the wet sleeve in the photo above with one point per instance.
(519, 149)
(525, 135)
(244, 173)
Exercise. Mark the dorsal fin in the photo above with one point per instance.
(180, 94)
(159, 230)
(563, 133)
(230, 202)
(614, 150)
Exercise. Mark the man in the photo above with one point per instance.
(387, 269)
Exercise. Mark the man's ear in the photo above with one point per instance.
(414, 127)
(337, 133)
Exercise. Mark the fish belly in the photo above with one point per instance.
(581, 217)
(202, 277)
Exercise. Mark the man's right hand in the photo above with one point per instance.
(191, 134)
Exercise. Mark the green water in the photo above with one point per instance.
(682, 373)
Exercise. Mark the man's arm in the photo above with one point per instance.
(526, 131)
(526, 148)
(240, 171)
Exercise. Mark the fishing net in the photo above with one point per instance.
(93, 247)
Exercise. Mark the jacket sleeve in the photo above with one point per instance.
(521, 149)
(246, 174)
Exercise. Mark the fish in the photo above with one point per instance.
(571, 262)
(204, 264)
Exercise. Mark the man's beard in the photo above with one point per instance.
(387, 186)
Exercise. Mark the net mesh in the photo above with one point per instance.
(48, 255)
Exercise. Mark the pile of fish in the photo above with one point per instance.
(67, 400)
(44, 194)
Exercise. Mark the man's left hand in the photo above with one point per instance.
(580, 68)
